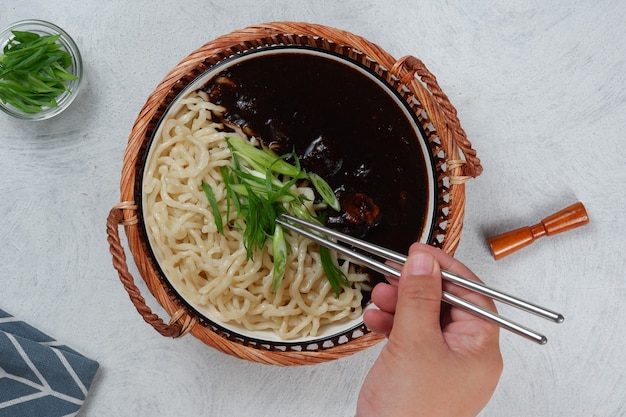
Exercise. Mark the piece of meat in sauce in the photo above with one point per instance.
(359, 213)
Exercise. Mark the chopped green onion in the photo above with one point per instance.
(33, 71)
(335, 276)
(325, 191)
(262, 159)
(213, 202)
(260, 185)
(279, 252)
(300, 211)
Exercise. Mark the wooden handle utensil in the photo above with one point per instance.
(561, 221)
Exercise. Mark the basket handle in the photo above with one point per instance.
(415, 66)
(175, 328)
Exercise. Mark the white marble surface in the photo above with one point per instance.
(541, 91)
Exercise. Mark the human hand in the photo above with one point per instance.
(438, 361)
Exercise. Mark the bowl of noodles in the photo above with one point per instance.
(359, 136)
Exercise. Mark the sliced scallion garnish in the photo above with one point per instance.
(261, 185)
(208, 191)
(335, 276)
(279, 252)
(33, 71)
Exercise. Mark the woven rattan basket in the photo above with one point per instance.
(455, 160)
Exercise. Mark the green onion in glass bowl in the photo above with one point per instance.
(40, 70)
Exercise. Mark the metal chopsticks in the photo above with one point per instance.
(321, 234)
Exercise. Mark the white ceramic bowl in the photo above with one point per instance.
(344, 331)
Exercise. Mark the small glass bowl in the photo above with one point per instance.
(66, 98)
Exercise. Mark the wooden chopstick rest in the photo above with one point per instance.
(566, 219)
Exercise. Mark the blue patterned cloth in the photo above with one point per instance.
(40, 377)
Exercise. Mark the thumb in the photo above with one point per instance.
(417, 316)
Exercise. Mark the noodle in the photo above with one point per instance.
(211, 269)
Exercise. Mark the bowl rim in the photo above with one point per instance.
(356, 327)
(65, 99)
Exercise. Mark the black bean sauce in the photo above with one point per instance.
(343, 127)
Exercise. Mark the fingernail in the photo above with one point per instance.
(420, 263)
